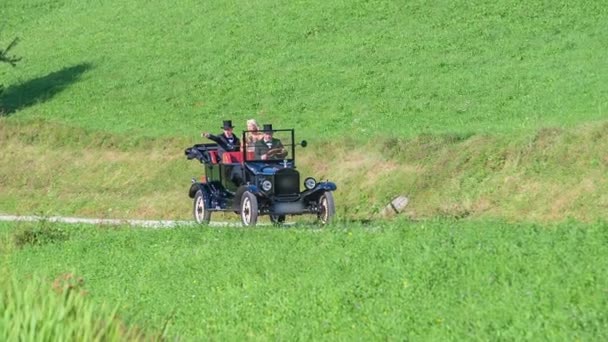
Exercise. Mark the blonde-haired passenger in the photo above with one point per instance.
(253, 134)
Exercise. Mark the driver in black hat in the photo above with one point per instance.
(269, 147)
(227, 141)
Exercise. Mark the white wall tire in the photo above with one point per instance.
(202, 215)
(327, 208)
(249, 209)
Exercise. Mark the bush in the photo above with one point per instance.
(39, 234)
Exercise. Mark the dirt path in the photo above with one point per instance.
(134, 223)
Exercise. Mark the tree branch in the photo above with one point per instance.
(6, 58)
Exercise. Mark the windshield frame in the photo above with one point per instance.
(289, 146)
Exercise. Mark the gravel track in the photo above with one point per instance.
(113, 222)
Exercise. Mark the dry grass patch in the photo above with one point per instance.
(552, 175)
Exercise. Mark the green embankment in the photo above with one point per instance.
(548, 176)
(437, 280)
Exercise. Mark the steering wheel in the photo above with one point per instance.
(275, 151)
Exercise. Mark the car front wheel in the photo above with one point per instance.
(201, 213)
(249, 209)
(327, 208)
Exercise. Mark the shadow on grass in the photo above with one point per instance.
(39, 89)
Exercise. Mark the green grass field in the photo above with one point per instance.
(438, 280)
(491, 117)
(469, 108)
(367, 68)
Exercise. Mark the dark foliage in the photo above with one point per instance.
(40, 234)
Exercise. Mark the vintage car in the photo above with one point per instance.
(257, 180)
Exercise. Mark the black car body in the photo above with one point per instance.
(245, 183)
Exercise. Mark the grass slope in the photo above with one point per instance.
(459, 105)
(365, 67)
(436, 280)
(552, 175)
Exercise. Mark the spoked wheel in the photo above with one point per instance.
(249, 209)
(277, 219)
(201, 213)
(327, 208)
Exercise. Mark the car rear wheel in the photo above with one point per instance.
(327, 208)
(201, 213)
(277, 219)
(249, 209)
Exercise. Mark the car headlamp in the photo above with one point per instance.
(310, 183)
(266, 185)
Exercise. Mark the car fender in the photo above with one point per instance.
(199, 186)
(318, 190)
(252, 188)
(241, 190)
(326, 186)
(236, 205)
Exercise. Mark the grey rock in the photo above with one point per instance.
(396, 206)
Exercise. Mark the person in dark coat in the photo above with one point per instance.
(226, 141)
(269, 147)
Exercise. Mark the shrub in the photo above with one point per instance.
(39, 234)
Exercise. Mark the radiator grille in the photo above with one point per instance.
(287, 182)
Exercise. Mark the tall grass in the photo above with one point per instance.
(32, 310)
(55, 307)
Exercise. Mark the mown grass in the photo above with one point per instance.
(440, 280)
(367, 68)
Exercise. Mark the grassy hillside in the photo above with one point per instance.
(437, 280)
(366, 67)
(469, 108)
(473, 109)
(548, 176)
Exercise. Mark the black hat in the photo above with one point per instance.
(227, 124)
(267, 128)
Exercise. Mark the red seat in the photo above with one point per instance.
(232, 157)
(213, 155)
